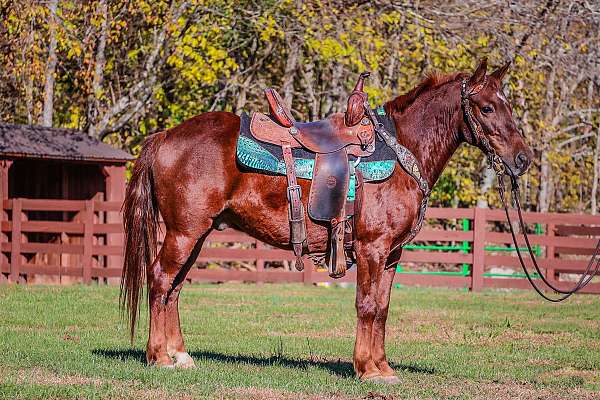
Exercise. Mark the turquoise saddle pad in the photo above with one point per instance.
(253, 155)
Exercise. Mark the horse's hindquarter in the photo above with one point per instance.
(190, 172)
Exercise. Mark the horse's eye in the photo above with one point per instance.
(487, 109)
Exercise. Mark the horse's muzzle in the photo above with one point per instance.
(522, 163)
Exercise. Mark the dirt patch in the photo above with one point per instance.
(439, 327)
(121, 389)
(570, 376)
(425, 325)
(42, 376)
(252, 393)
(330, 333)
(536, 338)
(512, 390)
(542, 362)
(526, 391)
(476, 390)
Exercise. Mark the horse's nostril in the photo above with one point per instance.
(522, 161)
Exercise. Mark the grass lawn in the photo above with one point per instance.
(295, 342)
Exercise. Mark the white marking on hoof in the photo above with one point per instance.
(183, 360)
(391, 379)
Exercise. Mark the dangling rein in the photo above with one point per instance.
(565, 294)
(496, 163)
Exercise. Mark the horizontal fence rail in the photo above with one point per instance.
(461, 248)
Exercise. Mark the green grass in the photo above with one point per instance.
(292, 341)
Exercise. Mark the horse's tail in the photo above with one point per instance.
(140, 221)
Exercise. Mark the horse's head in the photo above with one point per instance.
(489, 123)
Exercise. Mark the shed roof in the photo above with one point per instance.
(31, 141)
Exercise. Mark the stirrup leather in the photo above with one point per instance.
(296, 214)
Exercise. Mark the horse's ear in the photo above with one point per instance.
(479, 74)
(500, 72)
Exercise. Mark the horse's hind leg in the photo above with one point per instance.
(175, 346)
(172, 263)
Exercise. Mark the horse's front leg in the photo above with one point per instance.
(368, 277)
(382, 299)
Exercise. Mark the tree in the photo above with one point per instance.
(123, 70)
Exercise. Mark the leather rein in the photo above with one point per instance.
(497, 164)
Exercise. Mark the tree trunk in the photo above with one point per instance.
(29, 96)
(488, 181)
(241, 95)
(545, 178)
(545, 184)
(48, 110)
(335, 101)
(98, 78)
(314, 110)
(290, 71)
(596, 173)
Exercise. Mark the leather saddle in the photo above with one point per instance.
(332, 140)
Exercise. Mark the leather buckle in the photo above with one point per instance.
(294, 188)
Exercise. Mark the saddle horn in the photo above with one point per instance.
(356, 101)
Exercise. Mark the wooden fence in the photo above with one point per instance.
(86, 243)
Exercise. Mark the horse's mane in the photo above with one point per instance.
(432, 80)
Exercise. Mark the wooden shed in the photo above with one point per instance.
(58, 164)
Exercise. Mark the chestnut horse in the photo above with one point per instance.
(189, 174)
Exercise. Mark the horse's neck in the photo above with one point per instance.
(430, 128)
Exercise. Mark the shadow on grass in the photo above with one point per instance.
(340, 368)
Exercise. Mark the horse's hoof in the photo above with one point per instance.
(163, 362)
(183, 360)
(377, 379)
(382, 379)
(391, 379)
(373, 376)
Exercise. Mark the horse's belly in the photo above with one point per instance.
(259, 207)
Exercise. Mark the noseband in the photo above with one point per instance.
(495, 162)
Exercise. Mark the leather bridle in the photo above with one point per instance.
(497, 164)
(494, 161)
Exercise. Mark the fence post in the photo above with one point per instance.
(550, 254)
(15, 248)
(477, 269)
(88, 241)
(4, 260)
(309, 266)
(115, 191)
(260, 263)
(3, 239)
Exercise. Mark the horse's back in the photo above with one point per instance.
(204, 129)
